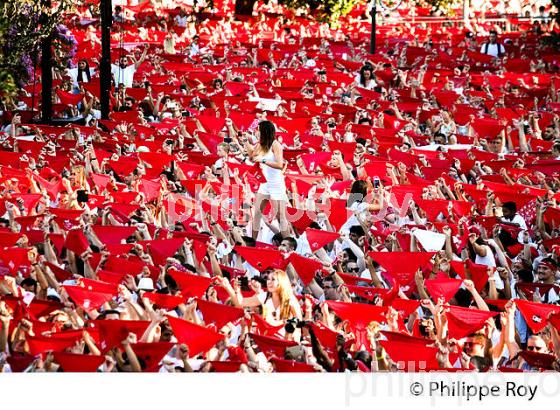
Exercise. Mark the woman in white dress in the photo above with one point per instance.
(269, 153)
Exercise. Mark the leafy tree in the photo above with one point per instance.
(23, 25)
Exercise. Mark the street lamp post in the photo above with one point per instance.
(373, 13)
(46, 72)
(105, 9)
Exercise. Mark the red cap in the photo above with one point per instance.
(291, 366)
(85, 299)
(218, 313)
(442, 288)
(78, 363)
(411, 357)
(318, 238)
(76, 242)
(464, 321)
(151, 354)
(272, 346)
(190, 285)
(113, 235)
(536, 314)
(199, 339)
(305, 267)
(113, 332)
(259, 258)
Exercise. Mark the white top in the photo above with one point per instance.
(123, 75)
(487, 260)
(273, 176)
(73, 73)
(518, 219)
(493, 49)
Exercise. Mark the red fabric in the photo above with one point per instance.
(464, 321)
(536, 314)
(261, 259)
(317, 238)
(218, 313)
(85, 299)
(199, 339)
(113, 332)
(442, 288)
(70, 362)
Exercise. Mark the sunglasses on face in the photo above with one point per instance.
(356, 269)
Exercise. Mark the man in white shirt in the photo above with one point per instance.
(492, 47)
(511, 217)
(124, 73)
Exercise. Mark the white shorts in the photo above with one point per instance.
(277, 192)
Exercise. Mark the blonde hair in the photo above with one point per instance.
(80, 177)
(285, 293)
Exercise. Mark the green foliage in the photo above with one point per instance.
(23, 24)
(444, 6)
(329, 11)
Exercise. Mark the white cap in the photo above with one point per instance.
(146, 284)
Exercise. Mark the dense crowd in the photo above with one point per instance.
(267, 196)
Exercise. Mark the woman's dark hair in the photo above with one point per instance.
(362, 72)
(351, 255)
(363, 356)
(268, 133)
(525, 275)
(358, 192)
(85, 70)
(470, 248)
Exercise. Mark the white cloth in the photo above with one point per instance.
(430, 241)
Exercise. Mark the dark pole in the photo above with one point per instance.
(46, 73)
(105, 63)
(373, 27)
